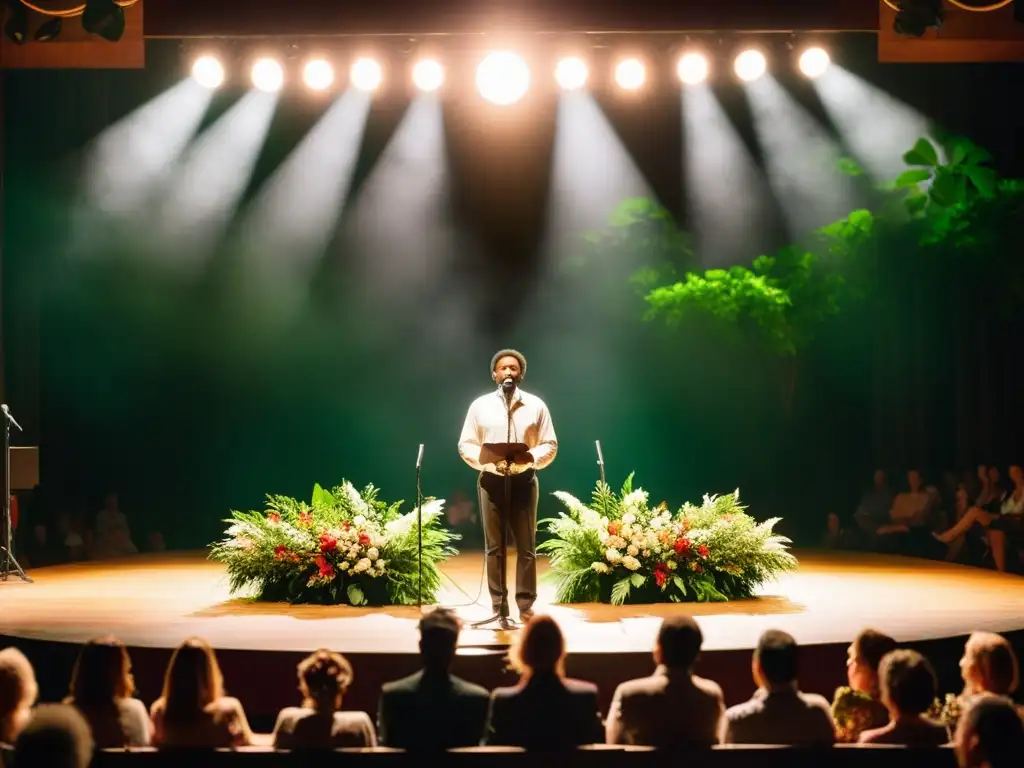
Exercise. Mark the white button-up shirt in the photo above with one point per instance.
(488, 422)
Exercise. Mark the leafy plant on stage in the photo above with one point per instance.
(618, 549)
(344, 546)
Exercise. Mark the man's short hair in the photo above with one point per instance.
(907, 681)
(991, 731)
(778, 655)
(510, 353)
(439, 634)
(57, 736)
(680, 640)
(871, 645)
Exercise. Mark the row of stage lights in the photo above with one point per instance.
(502, 77)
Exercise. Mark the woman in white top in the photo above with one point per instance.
(1007, 518)
(317, 724)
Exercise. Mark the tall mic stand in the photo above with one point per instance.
(419, 526)
(504, 622)
(600, 468)
(8, 564)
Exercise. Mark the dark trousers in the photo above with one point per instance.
(521, 518)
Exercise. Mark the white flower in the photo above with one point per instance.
(372, 553)
(600, 567)
(632, 551)
(629, 518)
(613, 556)
(381, 565)
(627, 531)
(362, 565)
(647, 553)
(671, 565)
(631, 563)
(344, 565)
(353, 553)
(358, 521)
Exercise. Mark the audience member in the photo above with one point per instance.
(57, 736)
(990, 734)
(324, 677)
(988, 665)
(859, 708)
(433, 709)
(873, 510)
(673, 707)
(779, 713)
(193, 711)
(908, 690)
(546, 710)
(18, 693)
(101, 689)
(113, 536)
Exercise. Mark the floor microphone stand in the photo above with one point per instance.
(8, 564)
(600, 468)
(419, 526)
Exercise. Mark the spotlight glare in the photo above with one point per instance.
(366, 74)
(318, 74)
(267, 75)
(571, 73)
(630, 74)
(814, 62)
(693, 68)
(208, 72)
(428, 75)
(503, 78)
(750, 65)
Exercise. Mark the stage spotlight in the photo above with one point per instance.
(503, 78)
(366, 74)
(693, 68)
(571, 73)
(750, 65)
(318, 74)
(208, 72)
(104, 18)
(428, 75)
(814, 62)
(267, 75)
(630, 74)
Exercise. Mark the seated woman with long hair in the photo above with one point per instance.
(101, 689)
(545, 710)
(999, 518)
(18, 693)
(193, 712)
(323, 679)
(858, 707)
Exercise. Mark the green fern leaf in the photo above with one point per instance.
(620, 591)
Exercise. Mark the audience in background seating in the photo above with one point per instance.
(546, 710)
(859, 708)
(324, 677)
(673, 707)
(102, 688)
(193, 711)
(779, 713)
(908, 688)
(56, 737)
(433, 709)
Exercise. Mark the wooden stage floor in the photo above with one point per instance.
(154, 601)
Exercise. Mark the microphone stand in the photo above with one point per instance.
(8, 563)
(600, 467)
(504, 622)
(419, 526)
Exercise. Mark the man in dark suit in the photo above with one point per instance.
(433, 709)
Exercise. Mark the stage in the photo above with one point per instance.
(152, 602)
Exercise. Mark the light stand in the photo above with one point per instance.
(419, 525)
(8, 564)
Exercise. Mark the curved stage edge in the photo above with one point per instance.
(152, 602)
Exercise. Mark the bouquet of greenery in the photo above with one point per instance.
(344, 546)
(618, 549)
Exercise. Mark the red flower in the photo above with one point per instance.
(661, 573)
(346, 525)
(613, 529)
(326, 569)
(328, 543)
(364, 539)
(305, 519)
(702, 550)
(682, 546)
(699, 569)
(273, 518)
(280, 552)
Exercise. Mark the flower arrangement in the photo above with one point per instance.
(618, 549)
(344, 546)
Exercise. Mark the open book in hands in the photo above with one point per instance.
(513, 456)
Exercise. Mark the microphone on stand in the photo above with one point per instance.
(10, 416)
(508, 386)
(419, 457)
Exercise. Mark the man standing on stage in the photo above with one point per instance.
(509, 416)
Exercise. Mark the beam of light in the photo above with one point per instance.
(726, 192)
(800, 158)
(212, 177)
(693, 68)
(814, 62)
(630, 74)
(318, 74)
(126, 164)
(571, 73)
(295, 213)
(208, 72)
(503, 78)
(750, 65)
(877, 127)
(428, 75)
(267, 75)
(366, 74)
